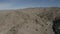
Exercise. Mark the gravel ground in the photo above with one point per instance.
(28, 21)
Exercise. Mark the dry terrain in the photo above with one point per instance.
(28, 21)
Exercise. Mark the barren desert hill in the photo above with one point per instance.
(28, 21)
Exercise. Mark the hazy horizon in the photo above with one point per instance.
(16, 4)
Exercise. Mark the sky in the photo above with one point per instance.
(18, 4)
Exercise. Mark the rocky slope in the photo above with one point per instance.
(28, 21)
